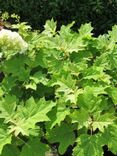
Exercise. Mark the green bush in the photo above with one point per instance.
(102, 13)
(58, 91)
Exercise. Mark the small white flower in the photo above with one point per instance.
(11, 43)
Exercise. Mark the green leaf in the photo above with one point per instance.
(35, 79)
(5, 138)
(27, 116)
(63, 135)
(10, 150)
(61, 113)
(1, 92)
(85, 30)
(39, 77)
(80, 116)
(31, 85)
(107, 60)
(19, 126)
(50, 28)
(102, 121)
(55, 65)
(112, 91)
(96, 73)
(102, 43)
(66, 85)
(22, 28)
(16, 67)
(7, 107)
(110, 138)
(112, 58)
(66, 30)
(66, 41)
(33, 148)
(89, 101)
(8, 83)
(113, 34)
(88, 146)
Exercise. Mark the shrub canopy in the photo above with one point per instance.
(60, 93)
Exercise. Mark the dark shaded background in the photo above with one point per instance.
(101, 13)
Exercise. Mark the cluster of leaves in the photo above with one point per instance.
(61, 93)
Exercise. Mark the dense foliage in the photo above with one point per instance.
(58, 91)
(102, 13)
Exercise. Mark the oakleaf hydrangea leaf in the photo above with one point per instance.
(110, 138)
(102, 121)
(50, 28)
(5, 138)
(7, 107)
(33, 148)
(10, 150)
(63, 135)
(88, 146)
(27, 116)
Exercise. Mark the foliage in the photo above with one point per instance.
(102, 13)
(60, 93)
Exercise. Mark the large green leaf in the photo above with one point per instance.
(1, 92)
(96, 73)
(50, 28)
(81, 117)
(10, 150)
(88, 146)
(112, 58)
(34, 148)
(93, 122)
(102, 121)
(113, 34)
(66, 86)
(27, 116)
(35, 79)
(89, 101)
(110, 138)
(85, 30)
(5, 138)
(63, 135)
(9, 82)
(16, 67)
(7, 107)
(112, 91)
(59, 115)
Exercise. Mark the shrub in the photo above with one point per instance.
(60, 93)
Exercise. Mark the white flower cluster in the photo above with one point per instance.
(11, 43)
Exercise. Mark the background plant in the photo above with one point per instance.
(102, 13)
